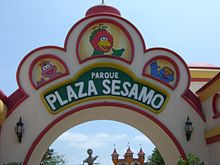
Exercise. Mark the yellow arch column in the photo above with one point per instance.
(3, 111)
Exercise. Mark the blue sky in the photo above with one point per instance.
(190, 28)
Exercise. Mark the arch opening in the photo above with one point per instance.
(165, 141)
(102, 136)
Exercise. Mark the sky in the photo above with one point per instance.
(190, 28)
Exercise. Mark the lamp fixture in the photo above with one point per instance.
(19, 129)
(188, 129)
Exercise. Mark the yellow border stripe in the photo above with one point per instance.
(201, 73)
(209, 91)
(3, 112)
(212, 132)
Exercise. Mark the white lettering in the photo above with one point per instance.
(51, 99)
(92, 75)
(143, 97)
(101, 75)
(70, 93)
(116, 75)
(112, 87)
(62, 102)
(125, 87)
(115, 87)
(155, 98)
(92, 88)
(146, 97)
(106, 89)
(81, 87)
(104, 75)
(134, 91)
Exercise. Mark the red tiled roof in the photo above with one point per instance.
(141, 152)
(129, 151)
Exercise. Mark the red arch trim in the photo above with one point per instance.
(160, 124)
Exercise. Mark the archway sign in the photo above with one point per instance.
(104, 71)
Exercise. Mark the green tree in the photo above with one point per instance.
(13, 163)
(52, 158)
(155, 158)
(191, 160)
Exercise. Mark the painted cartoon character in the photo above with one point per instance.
(48, 71)
(165, 74)
(102, 42)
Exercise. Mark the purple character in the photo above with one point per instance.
(48, 70)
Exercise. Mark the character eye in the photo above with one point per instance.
(45, 67)
(103, 39)
(48, 66)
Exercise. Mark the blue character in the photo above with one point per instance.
(165, 74)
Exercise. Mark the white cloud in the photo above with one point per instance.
(142, 138)
(101, 135)
(73, 137)
(82, 140)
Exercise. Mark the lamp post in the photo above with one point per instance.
(19, 129)
(188, 129)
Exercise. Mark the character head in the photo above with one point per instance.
(101, 40)
(47, 69)
(166, 73)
